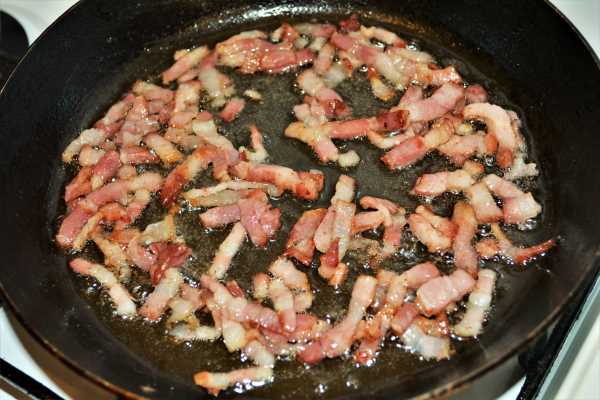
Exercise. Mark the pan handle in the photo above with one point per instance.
(35, 15)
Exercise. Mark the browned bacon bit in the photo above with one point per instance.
(221, 216)
(165, 290)
(488, 248)
(135, 155)
(306, 185)
(259, 219)
(300, 244)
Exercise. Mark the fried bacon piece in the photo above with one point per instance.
(479, 303)
(488, 248)
(306, 185)
(300, 244)
(435, 295)
(117, 292)
(214, 382)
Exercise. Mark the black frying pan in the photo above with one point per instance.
(94, 52)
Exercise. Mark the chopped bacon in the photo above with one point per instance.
(300, 244)
(306, 185)
(185, 172)
(459, 148)
(465, 220)
(483, 203)
(479, 303)
(404, 318)
(476, 94)
(190, 59)
(152, 92)
(170, 256)
(117, 292)
(518, 206)
(431, 185)
(338, 339)
(488, 248)
(256, 139)
(498, 124)
(89, 156)
(105, 169)
(427, 346)
(415, 148)
(161, 231)
(260, 222)
(441, 102)
(435, 295)
(114, 256)
(165, 290)
(214, 382)
(368, 220)
(90, 137)
(167, 152)
(433, 231)
(80, 185)
(232, 109)
(283, 302)
(221, 216)
(135, 155)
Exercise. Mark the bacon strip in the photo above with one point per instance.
(300, 244)
(499, 124)
(435, 295)
(465, 220)
(479, 303)
(118, 294)
(214, 382)
(227, 250)
(306, 185)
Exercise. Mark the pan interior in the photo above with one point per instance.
(332, 377)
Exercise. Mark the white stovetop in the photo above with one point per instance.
(21, 350)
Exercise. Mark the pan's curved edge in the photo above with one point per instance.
(446, 390)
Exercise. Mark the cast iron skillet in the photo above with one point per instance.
(90, 56)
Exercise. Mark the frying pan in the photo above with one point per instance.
(80, 65)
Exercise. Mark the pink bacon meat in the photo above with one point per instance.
(306, 185)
